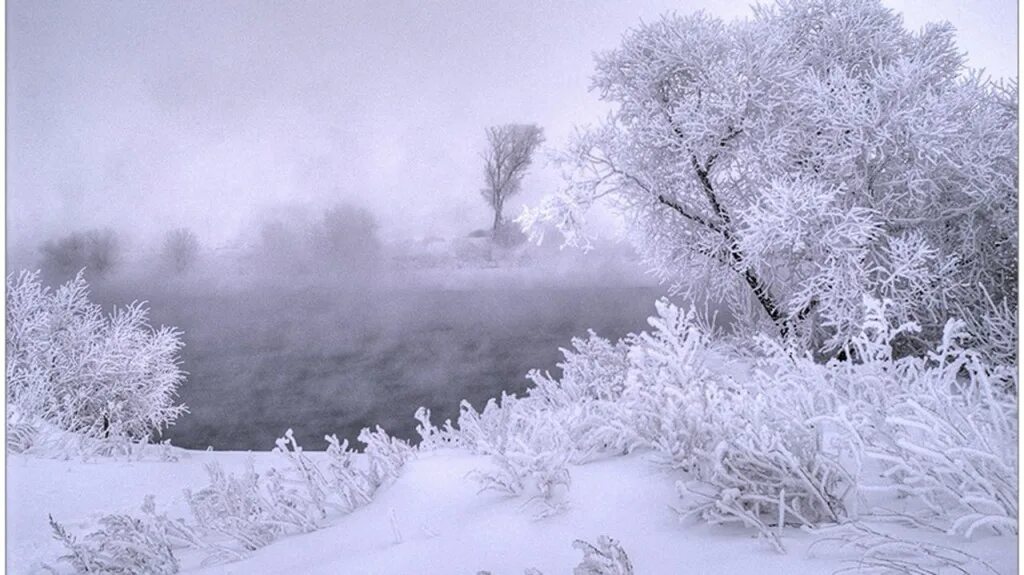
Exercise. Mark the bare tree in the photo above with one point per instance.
(181, 248)
(509, 151)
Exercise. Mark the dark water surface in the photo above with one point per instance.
(322, 360)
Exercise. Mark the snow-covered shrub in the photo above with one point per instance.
(948, 439)
(307, 476)
(129, 544)
(992, 332)
(488, 431)
(22, 431)
(786, 440)
(386, 455)
(292, 506)
(880, 552)
(537, 468)
(586, 398)
(594, 369)
(344, 486)
(673, 400)
(104, 377)
(20, 436)
(749, 447)
(349, 483)
(50, 337)
(253, 510)
(433, 437)
(605, 558)
(232, 506)
(572, 416)
(941, 429)
(530, 448)
(36, 436)
(124, 545)
(236, 514)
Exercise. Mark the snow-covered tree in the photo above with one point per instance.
(509, 152)
(801, 159)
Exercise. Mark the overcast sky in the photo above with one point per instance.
(146, 115)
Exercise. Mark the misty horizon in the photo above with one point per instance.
(147, 117)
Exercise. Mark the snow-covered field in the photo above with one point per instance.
(430, 520)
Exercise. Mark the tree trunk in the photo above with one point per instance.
(497, 219)
(760, 289)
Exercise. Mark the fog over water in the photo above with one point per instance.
(276, 338)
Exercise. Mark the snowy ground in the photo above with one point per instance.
(431, 520)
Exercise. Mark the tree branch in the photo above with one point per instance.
(709, 191)
(692, 217)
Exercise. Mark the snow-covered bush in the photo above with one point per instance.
(236, 514)
(386, 455)
(594, 369)
(233, 506)
(946, 438)
(784, 441)
(22, 432)
(749, 447)
(35, 436)
(885, 553)
(344, 486)
(992, 332)
(605, 558)
(124, 545)
(941, 430)
(530, 450)
(101, 376)
(433, 437)
(346, 479)
(254, 510)
(571, 415)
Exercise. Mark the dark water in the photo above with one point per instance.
(323, 360)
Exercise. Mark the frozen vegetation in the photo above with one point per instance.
(844, 188)
(892, 463)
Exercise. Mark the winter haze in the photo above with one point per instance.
(202, 113)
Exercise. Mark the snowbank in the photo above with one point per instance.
(430, 520)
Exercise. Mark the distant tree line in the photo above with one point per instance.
(341, 238)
